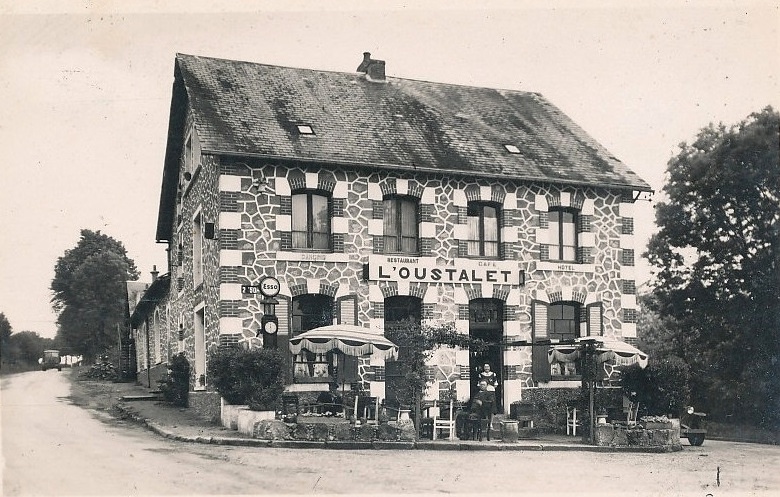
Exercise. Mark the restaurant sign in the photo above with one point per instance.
(425, 270)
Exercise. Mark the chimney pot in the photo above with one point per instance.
(363, 67)
(154, 272)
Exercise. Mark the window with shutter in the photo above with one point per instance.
(540, 365)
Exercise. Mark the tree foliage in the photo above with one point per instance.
(417, 344)
(718, 278)
(5, 335)
(663, 387)
(89, 293)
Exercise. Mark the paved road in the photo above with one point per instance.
(51, 447)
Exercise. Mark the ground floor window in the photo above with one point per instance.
(308, 312)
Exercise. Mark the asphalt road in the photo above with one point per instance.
(52, 447)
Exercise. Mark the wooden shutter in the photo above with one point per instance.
(347, 309)
(595, 320)
(347, 314)
(540, 365)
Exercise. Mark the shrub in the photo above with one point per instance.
(175, 387)
(251, 377)
(662, 387)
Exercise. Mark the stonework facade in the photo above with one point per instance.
(557, 262)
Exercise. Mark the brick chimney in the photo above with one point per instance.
(374, 69)
(154, 272)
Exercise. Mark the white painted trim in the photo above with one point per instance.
(374, 191)
(485, 193)
(627, 272)
(313, 285)
(427, 230)
(588, 207)
(540, 203)
(230, 220)
(282, 187)
(284, 222)
(565, 199)
(341, 190)
(230, 326)
(509, 234)
(628, 330)
(428, 196)
(459, 198)
(431, 295)
(402, 186)
(340, 225)
(376, 227)
(229, 183)
(230, 258)
(312, 180)
(461, 231)
(230, 291)
(587, 239)
(375, 294)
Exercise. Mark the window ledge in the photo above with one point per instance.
(318, 379)
(569, 377)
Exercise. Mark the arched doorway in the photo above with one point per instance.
(486, 322)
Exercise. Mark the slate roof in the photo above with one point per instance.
(252, 109)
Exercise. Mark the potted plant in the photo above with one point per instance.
(254, 378)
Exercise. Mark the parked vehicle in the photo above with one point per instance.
(51, 360)
(692, 426)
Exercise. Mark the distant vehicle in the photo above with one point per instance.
(51, 360)
(692, 426)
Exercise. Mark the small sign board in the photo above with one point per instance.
(250, 289)
(270, 286)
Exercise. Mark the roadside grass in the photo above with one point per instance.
(741, 433)
(7, 368)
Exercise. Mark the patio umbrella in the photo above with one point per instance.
(348, 339)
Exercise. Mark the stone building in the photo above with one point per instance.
(373, 199)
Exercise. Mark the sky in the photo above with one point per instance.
(85, 92)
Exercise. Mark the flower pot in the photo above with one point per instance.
(403, 414)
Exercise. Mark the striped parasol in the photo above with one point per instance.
(350, 340)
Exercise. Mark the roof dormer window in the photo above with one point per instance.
(511, 149)
(305, 129)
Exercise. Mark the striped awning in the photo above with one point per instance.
(348, 339)
(607, 350)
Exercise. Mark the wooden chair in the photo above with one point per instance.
(524, 413)
(633, 413)
(571, 420)
(443, 421)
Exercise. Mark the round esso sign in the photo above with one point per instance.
(270, 286)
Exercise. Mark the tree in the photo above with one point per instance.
(89, 293)
(416, 344)
(5, 336)
(718, 278)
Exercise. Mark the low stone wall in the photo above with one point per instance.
(329, 432)
(623, 436)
